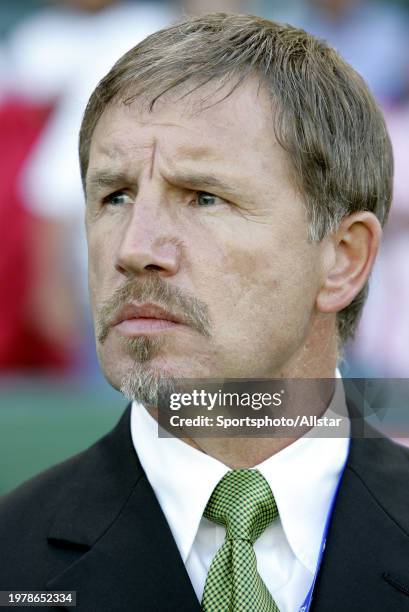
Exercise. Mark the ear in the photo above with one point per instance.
(349, 255)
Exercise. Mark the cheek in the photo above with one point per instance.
(251, 263)
(255, 286)
(261, 279)
(100, 262)
(238, 279)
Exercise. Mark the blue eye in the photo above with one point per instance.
(118, 198)
(206, 199)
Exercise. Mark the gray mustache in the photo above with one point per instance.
(189, 309)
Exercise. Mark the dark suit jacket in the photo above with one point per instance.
(93, 525)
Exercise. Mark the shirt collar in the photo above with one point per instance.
(303, 478)
(182, 477)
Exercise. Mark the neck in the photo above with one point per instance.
(309, 399)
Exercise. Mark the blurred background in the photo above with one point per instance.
(53, 399)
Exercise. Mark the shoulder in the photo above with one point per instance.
(382, 467)
(378, 458)
(40, 495)
(26, 515)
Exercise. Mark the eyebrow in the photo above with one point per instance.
(106, 179)
(192, 180)
(202, 181)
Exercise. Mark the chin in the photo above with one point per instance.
(147, 382)
(140, 367)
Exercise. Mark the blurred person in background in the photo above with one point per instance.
(55, 58)
(24, 343)
(197, 7)
(372, 35)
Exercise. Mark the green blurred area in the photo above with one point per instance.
(43, 422)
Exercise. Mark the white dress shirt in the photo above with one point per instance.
(303, 478)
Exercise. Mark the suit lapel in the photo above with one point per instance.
(127, 557)
(366, 561)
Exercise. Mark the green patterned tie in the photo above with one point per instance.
(243, 502)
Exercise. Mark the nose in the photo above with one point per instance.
(149, 242)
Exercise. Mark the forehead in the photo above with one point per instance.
(209, 124)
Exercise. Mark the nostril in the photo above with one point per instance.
(153, 267)
(120, 269)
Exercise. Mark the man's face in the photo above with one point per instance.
(193, 211)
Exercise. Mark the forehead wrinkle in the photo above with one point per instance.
(153, 157)
(117, 151)
(150, 123)
(116, 159)
(197, 153)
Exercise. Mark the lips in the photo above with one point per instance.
(144, 311)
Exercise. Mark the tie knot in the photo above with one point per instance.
(243, 502)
